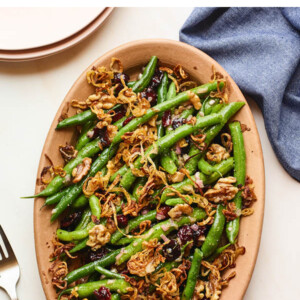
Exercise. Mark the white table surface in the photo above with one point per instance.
(31, 93)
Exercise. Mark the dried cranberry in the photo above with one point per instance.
(96, 255)
(185, 234)
(119, 113)
(163, 212)
(156, 79)
(198, 231)
(118, 76)
(177, 122)
(102, 134)
(102, 294)
(150, 95)
(69, 221)
(171, 250)
(128, 120)
(166, 118)
(117, 80)
(122, 221)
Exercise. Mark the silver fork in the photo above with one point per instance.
(9, 268)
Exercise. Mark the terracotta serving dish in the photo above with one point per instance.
(134, 55)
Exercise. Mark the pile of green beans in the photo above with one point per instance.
(124, 242)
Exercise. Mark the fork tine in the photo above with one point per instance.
(2, 253)
(7, 244)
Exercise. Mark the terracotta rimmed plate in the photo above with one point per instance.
(134, 55)
(46, 50)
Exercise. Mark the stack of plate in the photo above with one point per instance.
(31, 33)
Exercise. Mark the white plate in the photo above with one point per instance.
(27, 28)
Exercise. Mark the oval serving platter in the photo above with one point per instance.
(134, 55)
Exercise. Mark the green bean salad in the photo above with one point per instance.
(150, 197)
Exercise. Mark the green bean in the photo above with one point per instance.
(83, 138)
(146, 77)
(56, 197)
(162, 228)
(188, 291)
(130, 84)
(57, 182)
(161, 97)
(218, 252)
(222, 168)
(132, 224)
(208, 105)
(175, 201)
(88, 269)
(78, 119)
(110, 258)
(205, 167)
(166, 105)
(239, 154)
(194, 153)
(82, 118)
(85, 219)
(138, 186)
(95, 206)
(80, 202)
(69, 236)
(115, 297)
(108, 274)
(120, 172)
(215, 232)
(169, 160)
(81, 245)
(171, 91)
(86, 289)
(76, 189)
(181, 132)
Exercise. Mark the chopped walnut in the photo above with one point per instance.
(217, 153)
(98, 236)
(82, 169)
(195, 100)
(222, 191)
(177, 177)
(179, 210)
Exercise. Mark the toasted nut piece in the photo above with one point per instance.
(179, 210)
(222, 191)
(82, 169)
(98, 236)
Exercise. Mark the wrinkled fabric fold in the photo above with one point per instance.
(260, 49)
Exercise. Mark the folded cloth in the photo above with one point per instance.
(260, 49)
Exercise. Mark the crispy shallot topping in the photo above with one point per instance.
(216, 153)
(145, 262)
(67, 152)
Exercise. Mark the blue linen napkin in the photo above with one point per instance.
(260, 49)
